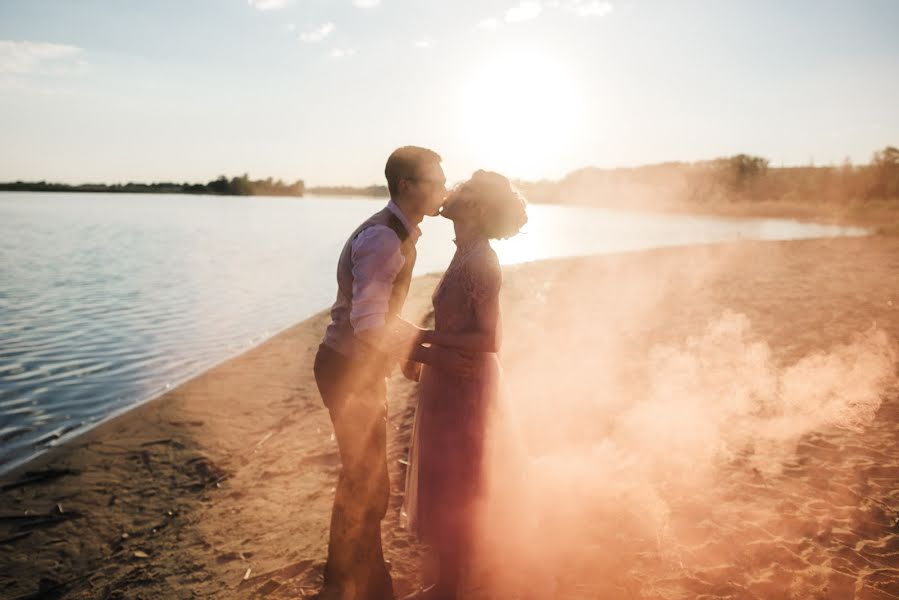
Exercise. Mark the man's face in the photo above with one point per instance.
(428, 189)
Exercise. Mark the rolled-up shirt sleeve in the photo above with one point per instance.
(376, 262)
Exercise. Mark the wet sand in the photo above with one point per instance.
(222, 488)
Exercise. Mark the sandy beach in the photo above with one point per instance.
(705, 422)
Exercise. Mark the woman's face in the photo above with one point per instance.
(461, 209)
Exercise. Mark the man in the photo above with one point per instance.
(364, 340)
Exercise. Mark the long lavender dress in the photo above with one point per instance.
(445, 483)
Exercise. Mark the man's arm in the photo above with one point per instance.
(376, 262)
(397, 337)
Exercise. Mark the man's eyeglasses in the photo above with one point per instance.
(439, 183)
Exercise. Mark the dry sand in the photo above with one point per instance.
(222, 488)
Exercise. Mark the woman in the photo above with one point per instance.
(445, 487)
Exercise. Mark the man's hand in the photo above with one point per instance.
(401, 337)
(403, 331)
(412, 370)
(396, 338)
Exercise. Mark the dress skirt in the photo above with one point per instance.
(445, 481)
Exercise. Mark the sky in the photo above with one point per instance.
(323, 90)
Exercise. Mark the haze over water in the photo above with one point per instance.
(108, 300)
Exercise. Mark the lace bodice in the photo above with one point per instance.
(472, 278)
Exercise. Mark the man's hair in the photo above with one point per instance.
(406, 163)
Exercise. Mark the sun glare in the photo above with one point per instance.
(520, 109)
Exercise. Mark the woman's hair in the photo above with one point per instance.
(504, 208)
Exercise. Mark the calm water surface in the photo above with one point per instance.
(108, 300)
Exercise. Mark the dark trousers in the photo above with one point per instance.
(355, 394)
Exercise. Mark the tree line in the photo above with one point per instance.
(235, 186)
(733, 179)
(375, 191)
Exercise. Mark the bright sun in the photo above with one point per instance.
(520, 111)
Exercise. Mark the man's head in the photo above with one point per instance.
(416, 180)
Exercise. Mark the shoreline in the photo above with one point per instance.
(17, 466)
(231, 469)
(857, 231)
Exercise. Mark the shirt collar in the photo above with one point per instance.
(414, 232)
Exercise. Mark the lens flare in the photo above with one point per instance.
(519, 112)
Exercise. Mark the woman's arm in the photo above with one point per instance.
(471, 341)
(456, 352)
(459, 363)
(484, 338)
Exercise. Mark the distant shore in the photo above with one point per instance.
(222, 487)
(741, 185)
(213, 189)
(236, 186)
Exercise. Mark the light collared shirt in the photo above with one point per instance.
(376, 262)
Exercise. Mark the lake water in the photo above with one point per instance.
(109, 300)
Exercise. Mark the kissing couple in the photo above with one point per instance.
(455, 364)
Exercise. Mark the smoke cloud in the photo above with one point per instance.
(619, 432)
